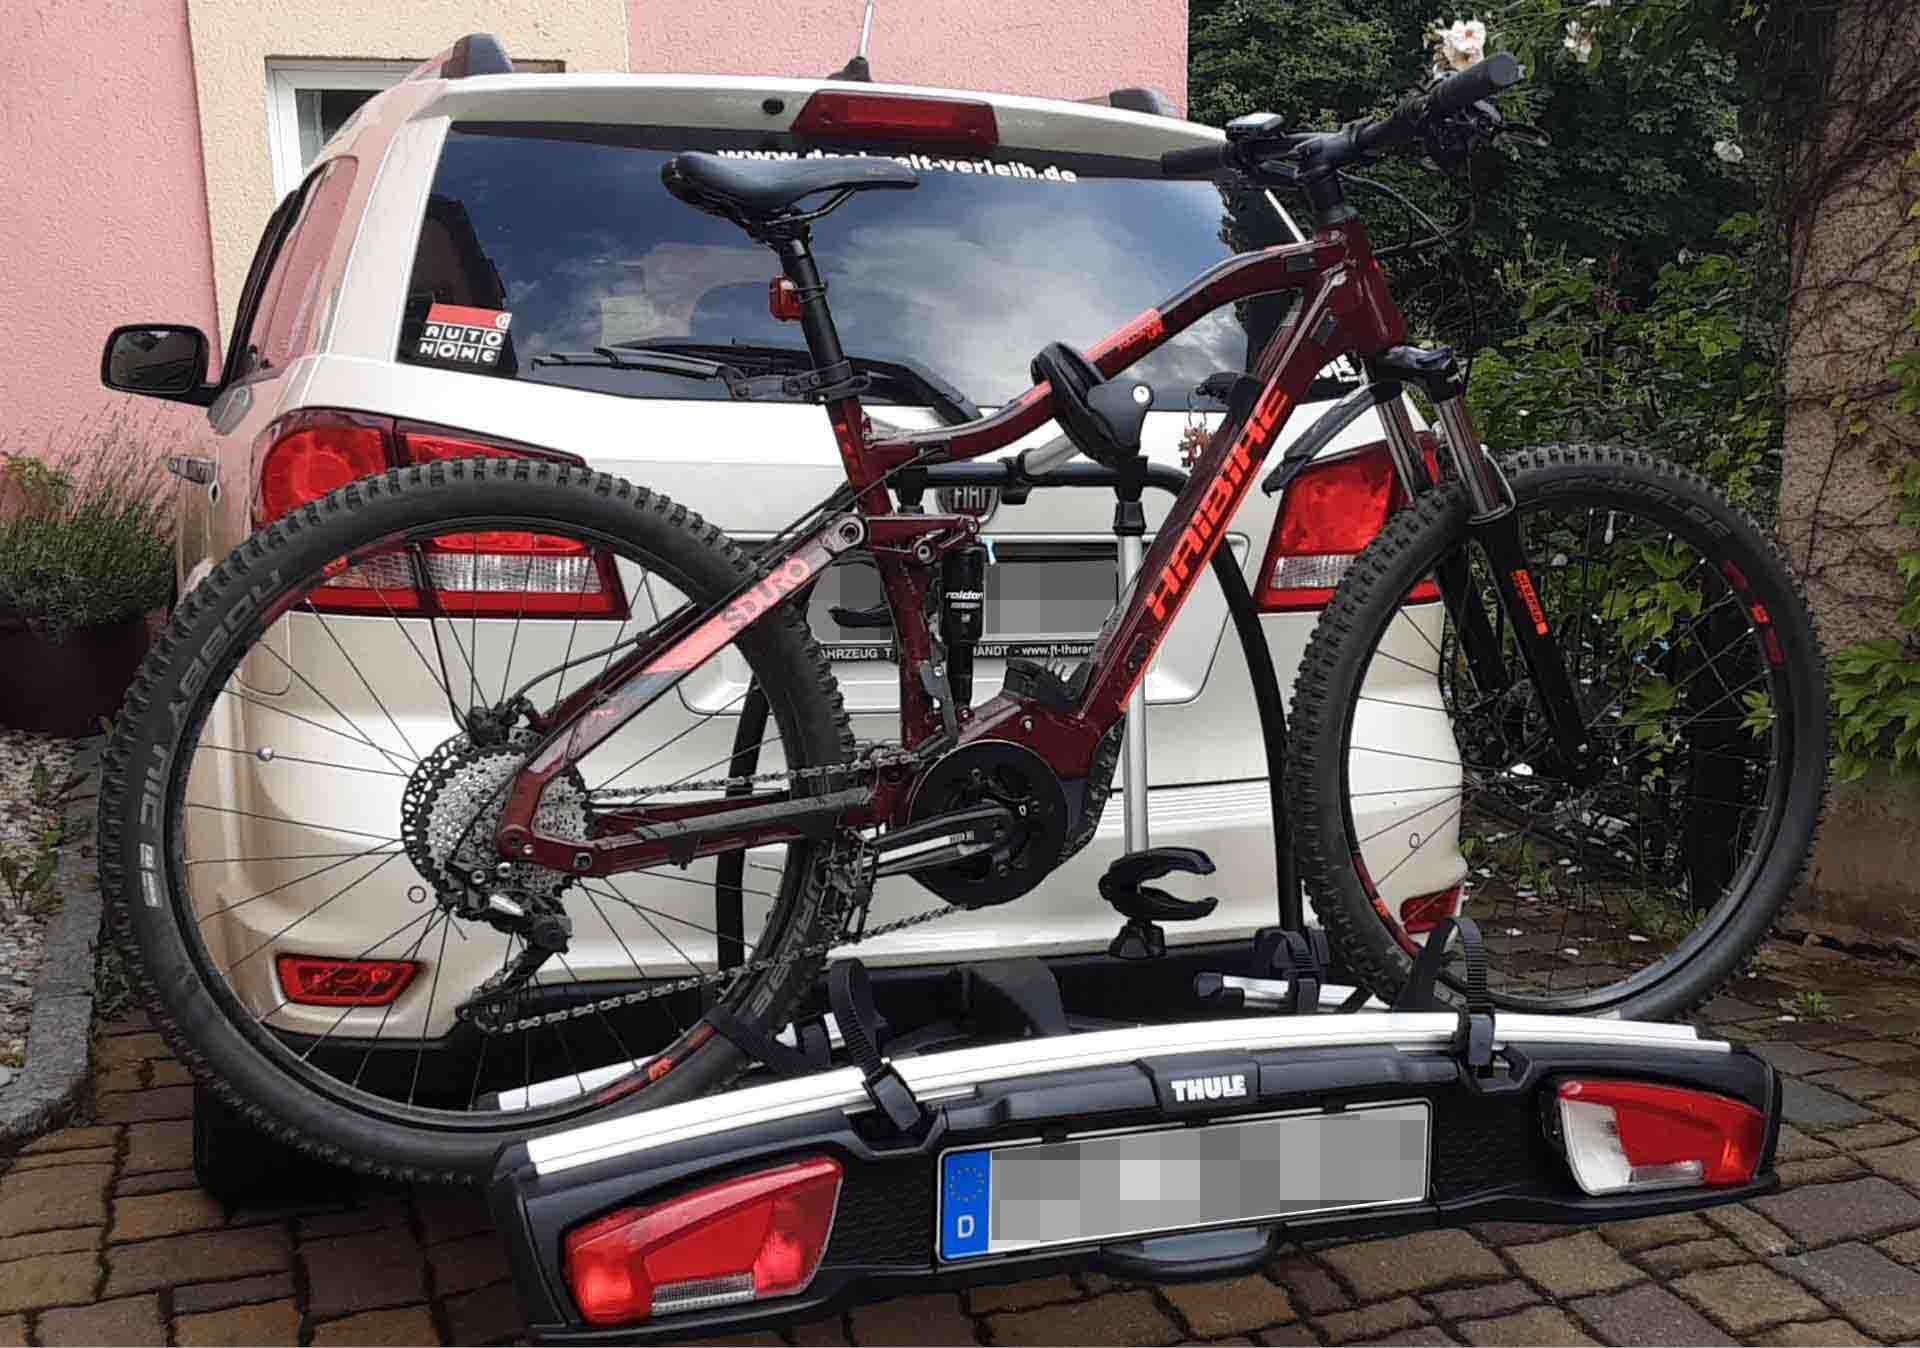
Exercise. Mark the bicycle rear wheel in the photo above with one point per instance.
(297, 796)
(1631, 880)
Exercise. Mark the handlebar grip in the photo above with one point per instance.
(1481, 80)
(1192, 162)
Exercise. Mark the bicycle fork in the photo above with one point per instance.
(1493, 524)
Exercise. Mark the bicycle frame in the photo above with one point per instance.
(1346, 307)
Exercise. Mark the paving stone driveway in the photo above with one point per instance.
(104, 1239)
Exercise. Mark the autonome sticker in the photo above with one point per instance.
(458, 334)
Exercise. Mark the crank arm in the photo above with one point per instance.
(943, 840)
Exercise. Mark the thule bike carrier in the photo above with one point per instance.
(1141, 1118)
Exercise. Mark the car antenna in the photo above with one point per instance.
(857, 69)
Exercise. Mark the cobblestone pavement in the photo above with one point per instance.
(105, 1240)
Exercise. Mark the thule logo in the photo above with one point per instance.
(1187, 1090)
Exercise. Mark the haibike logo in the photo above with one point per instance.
(1188, 1090)
(1216, 507)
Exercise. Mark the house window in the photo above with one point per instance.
(309, 101)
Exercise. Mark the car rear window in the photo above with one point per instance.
(549, 241)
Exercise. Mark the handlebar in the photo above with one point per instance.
(1336, 149)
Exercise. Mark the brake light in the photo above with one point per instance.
(842, 114)
(783, 300)
(1422, 913)
(1622, 1136)
(745, 1239)
(315, 454)
(1331, 511)
(312, 981)
(499, 573)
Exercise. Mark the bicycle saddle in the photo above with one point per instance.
(756, 189)
(1102, 417)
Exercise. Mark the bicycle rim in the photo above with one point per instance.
(1593, 879)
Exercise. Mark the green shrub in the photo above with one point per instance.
(1690, 375)
(86, 535)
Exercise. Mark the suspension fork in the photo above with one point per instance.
(1492, 523)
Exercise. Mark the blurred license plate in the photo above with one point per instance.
(1099, 1188)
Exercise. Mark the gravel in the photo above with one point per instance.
(26, 816)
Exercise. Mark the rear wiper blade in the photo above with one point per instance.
(948, 403)
(654, 360)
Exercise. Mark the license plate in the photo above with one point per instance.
(1109, 1186)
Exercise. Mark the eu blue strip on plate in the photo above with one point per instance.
(964, 1189)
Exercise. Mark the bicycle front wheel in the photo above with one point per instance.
(299, 811)
(1631, 878)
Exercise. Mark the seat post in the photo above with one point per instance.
(816, 320)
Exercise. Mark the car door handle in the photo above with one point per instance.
(195, 468)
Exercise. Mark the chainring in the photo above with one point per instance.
(995, 772)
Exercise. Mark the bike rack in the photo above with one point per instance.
(1015, 488)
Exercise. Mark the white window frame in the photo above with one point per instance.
(283, 118)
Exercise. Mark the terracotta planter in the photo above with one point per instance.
(65, 687)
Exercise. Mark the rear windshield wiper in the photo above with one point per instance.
(903, 378)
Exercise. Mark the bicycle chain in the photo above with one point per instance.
(844, 876)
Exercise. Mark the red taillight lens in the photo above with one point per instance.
(1330, 513)
(745, 1239)
(1631, 1135)
(497, 574)
(1422, 913)
(841, 114)
(313, 456)
(783, 300)
(312, 981)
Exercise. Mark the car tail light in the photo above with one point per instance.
(841, 114)
(1422, 913)
(1622, 1136)
(1331, 511)
(745, 1239)
(309, 980)
(499, 574)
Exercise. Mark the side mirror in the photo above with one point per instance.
(158, 360)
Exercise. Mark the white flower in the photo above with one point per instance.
(1579, 41)
(1461, 44)
(1728, 152)
(1457, 45)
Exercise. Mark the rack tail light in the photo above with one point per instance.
(497, 574)
(1331, 511)
(744, 1239)
(845, 114)
(1629, 1136)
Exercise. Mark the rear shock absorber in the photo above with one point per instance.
(963, 585)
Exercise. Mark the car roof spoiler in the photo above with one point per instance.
(474, 54)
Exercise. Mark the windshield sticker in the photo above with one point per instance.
(459, 334)
(985, 168)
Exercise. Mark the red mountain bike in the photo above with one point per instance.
(1614, 745)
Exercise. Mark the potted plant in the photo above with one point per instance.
(86, 553)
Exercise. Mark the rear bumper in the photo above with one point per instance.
(1490, 1156)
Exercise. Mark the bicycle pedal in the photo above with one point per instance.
(1124, 885)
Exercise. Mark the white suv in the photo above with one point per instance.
(456, 276)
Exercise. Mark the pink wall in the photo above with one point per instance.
(1060, 49)
(102, 206)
